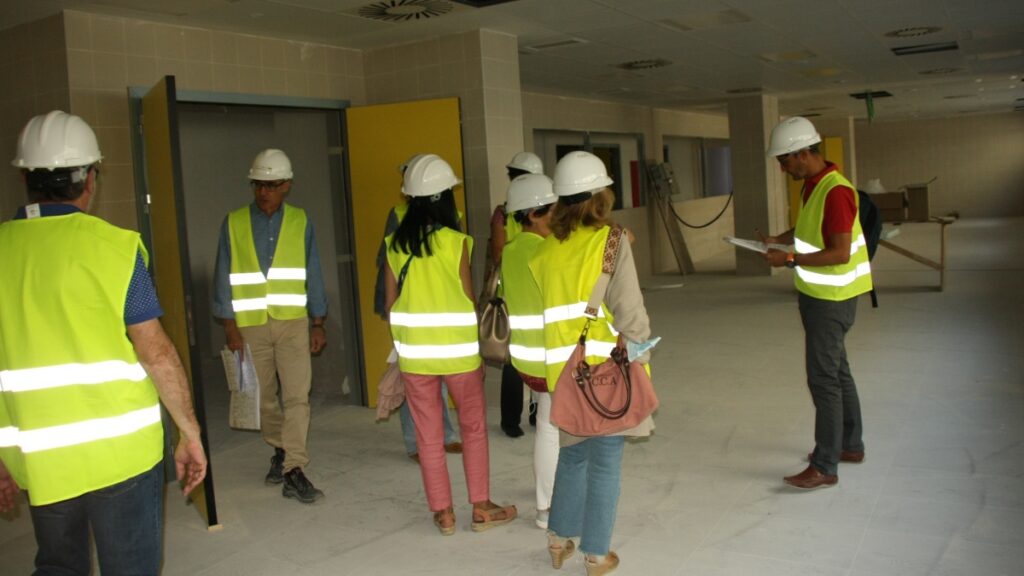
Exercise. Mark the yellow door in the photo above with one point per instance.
(169, 251)
(380, 139)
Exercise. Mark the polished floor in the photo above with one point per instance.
(940, 493)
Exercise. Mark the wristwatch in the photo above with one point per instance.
(790, 260)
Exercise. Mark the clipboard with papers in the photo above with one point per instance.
(754, 245)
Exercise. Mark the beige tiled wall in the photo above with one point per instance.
(32, 64)
(978, 161)
(105, 55)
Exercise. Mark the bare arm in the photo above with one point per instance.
(497, 241)
(159, 358)
(8, 490)
(837, 252)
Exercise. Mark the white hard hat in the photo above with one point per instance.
(528, 162)
(271, 164)
(792, 135)
(56, 140)
(580, 172)
(529, 191)
(426, 175)
(404, 165)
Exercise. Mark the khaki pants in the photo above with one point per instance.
(280, 353)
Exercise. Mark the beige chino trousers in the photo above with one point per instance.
(280, 353)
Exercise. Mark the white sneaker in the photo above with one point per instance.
(542, 519)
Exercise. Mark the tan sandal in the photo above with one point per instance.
(611, 562)
(559, 554)
(439, 516)
(492, 517)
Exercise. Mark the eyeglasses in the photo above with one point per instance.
(268, 184)
(783, 157)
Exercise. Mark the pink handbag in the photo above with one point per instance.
(611, 397)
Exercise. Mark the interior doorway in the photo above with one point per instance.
(218, 143)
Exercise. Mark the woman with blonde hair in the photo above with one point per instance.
(566, 268)
(431, 312)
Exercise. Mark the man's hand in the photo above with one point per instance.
(317, 338)
(233, 335)
(189, 463)
(8, 490)
(776, 257)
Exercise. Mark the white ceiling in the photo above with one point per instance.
(811, 54)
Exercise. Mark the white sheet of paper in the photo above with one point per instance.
(754, 245)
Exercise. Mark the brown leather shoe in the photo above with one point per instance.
(845, 456)
(453, 448)
(810, 479)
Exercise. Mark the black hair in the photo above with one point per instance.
(425, 214)
(58, 185)
(523, 216)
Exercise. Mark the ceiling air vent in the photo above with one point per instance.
(874, 95)
(549, 44)
(405, 10)
(644, 64)
(925, 48)
(913, 32)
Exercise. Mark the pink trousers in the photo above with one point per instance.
(423, 392)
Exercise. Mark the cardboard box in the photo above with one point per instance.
(917, 198)
(891, 205)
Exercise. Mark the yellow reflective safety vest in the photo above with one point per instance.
(512, 228)
(565, 272)
(525, 307)
(839, 281)
(282, 292)
(77, 411)
(433, 322)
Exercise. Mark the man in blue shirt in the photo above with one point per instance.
(280, 335)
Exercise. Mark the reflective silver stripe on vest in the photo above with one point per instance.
(430, 320)
(42, 378)
(520, 352)
(249, 304)
(808, 248)
(523, 322)
(594, 348)
(82, 432)
(8, 437)
(429, 351)
(567, 312)
(862, 269)
(286, 300)
(286, 274)
(246, 278)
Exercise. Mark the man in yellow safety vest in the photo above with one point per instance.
(84, 365)
(269, 295)
(831, 269)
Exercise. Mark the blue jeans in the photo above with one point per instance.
(587, 484)
(409, 428)
(127, 526)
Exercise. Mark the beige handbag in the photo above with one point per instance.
(494, 325)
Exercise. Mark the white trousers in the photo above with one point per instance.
(545, 451)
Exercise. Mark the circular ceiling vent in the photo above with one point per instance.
(644, 64)
(405, 10)
(913, 32)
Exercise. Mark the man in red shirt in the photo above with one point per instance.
(831, 266)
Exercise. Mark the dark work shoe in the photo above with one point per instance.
(297, 486)
(276, 473)
(512, 431)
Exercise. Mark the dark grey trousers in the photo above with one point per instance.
(837, 422)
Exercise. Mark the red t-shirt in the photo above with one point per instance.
(840, 205)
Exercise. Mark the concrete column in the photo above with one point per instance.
(759, 200)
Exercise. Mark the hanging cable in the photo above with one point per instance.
(713, 220)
